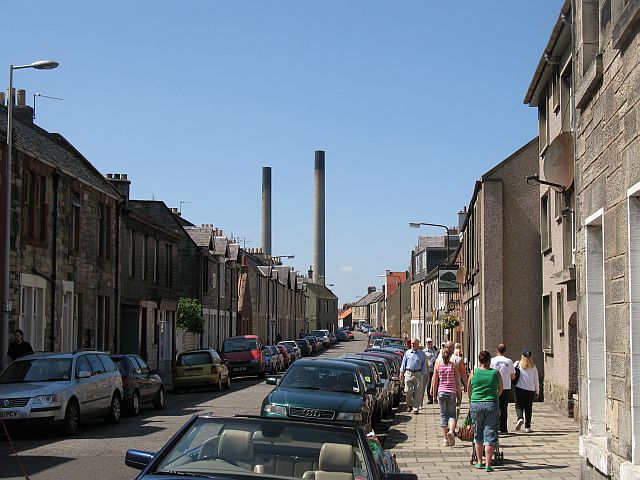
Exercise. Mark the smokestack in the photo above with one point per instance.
(318, 219)
(266, 210)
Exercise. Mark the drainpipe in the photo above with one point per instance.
(116, 291)
(54, 261)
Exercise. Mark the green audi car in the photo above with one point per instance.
(327, 391)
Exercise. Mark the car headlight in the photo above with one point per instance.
(356, 417)
(40, 399)
(275, 409)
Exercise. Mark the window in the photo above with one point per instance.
(156, 260)
(34, 211)
(595, 325)
(132, 254)
(222, 279)
(543, 123)
(82, 365)
(74, 224)
(156, 327)
(77, 317)
(547, 336)
(32, 294)
(566, 112)
(104, 231)
(560, 311)
(555, 90)
(634, 317)
(96, 365)
(545, 224)
(69, 319)
(168, 264)
(205, 274)
(102, 322)
(144, 257)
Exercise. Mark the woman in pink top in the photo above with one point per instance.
(446, 382)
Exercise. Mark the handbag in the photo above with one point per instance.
(467, 430)
(515, 380)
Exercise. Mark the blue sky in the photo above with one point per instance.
(411, 100)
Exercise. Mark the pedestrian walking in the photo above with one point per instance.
(432, 354)
(445, 384)
(484, 389)
(526, 390)
(507, 371)
(413, 370)
(19, 347)
(457, 361)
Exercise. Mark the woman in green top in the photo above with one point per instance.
(484, 388)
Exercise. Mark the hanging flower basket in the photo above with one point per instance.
(449, 321)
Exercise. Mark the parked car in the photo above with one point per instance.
(244, 355)
(332, 338)
(323, 335)
(200, 368)
(381, 404)
(294, 347)
(315, 343)
(140, 384)
(388, 341)
(248, 447)
(391, 388)
(393, 363)
(277, 357)
(269, 361)
(350, 334)
(61, 388)
(341, 336)
(377, 343)
(373, 335)
(305, 347)
(286, 358)
(322, 391)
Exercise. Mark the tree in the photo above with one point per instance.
(190, 315)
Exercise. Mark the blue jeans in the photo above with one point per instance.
(486, 416)
(447, 402)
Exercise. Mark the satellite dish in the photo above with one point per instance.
(558, 165)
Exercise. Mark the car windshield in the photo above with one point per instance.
(233, 446)
(188, 359)
(239, 345)
(321, 378)
(319, 333)
(380, 364)
(392, 341)
(38, 370)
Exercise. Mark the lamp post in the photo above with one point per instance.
(6, 304)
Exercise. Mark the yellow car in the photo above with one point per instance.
(200, 368)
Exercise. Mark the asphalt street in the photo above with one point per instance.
(98, 450)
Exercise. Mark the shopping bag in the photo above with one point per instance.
(466, 431)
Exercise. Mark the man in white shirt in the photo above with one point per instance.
(507, 371)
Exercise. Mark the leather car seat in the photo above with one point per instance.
(336, 463)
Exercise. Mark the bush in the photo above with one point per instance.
(190, 315)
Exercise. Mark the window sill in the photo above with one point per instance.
(627, 20)
(594, 450)
(567, 275)
(629, 471)
(588, 83)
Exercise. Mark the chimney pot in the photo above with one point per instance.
(2, 98)
(124, 176)
(22, 94)
(116, 176)
(109, 175)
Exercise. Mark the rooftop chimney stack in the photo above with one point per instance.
(121, 182)
(266, 210)
(20, 108)
(319, 219)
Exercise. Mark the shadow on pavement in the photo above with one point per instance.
(394, 438)
(516, 465)
(32, 464)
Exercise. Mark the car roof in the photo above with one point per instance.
(196, 350)
(242, 336)
(42, 355)
(324, 363)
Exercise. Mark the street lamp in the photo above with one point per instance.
(6, 307)
(419, 224)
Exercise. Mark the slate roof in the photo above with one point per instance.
(201, 236)
(54, 149)
(369, 298)
(220, 245)
(234, 250)
(320, 291)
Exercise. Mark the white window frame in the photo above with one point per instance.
(633, 211)
(595, 325)
(68, 325)
(33, 322)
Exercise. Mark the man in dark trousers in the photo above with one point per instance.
(18, 348)
(505, 367)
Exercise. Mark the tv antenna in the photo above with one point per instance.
(43, 96)
(180, 206)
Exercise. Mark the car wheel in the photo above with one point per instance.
(219, 384)
(134, 408)
(159, 400)
(71, 421)
(228, 382)
(115, 411)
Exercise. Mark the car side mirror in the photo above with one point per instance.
(83, 374)
(272, 381)
(138, 459)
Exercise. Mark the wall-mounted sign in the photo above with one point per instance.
(447, 281)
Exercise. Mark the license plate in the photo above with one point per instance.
(197, 371)
(239, 369)
(9, 414)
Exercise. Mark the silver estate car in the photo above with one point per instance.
(61, 388)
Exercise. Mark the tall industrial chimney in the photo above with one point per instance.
(266, 210)
(318, 219)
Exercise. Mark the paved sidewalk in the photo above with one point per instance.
(550, 452)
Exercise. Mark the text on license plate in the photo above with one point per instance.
(239, 369)
(195, 371)
(9, 414)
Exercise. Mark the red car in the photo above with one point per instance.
(375, 335)
(285, 355)
(244, 355)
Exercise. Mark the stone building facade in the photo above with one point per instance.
(501, 275)
(550, 93)
(64, 256)
(606, 69)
